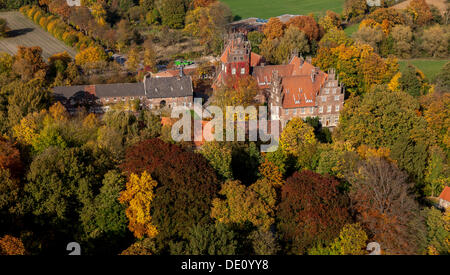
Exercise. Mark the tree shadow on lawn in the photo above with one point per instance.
(19, 32)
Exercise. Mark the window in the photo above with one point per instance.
(327, 91)
(321, 109)
(328, 108)
(115, 99)
(174, 105)
(336, 120)
(324, 98)
(337, 108)
(107, 99)
(233, 71)
(286, 112)
(151, 106)
(311, 110)
(336, 98)
(334, 90)
(242, 70)
(123, 99)
(294, 112)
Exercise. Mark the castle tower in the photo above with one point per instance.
(236, 57)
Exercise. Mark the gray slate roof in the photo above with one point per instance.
(163, 87)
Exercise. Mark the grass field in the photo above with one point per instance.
(271, 8)
(430, 67)
(25, 33)
(351, 29)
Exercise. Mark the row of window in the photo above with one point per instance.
(311, 110)
(123, 98)
(173, 105)
(336, 98)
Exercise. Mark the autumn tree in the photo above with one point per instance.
(172, 12)
(306, 24)
(29, 63)
(293, 41)
(413, 81)
(420, 11)
(435, 41)
(255, 38)
(443, 79)
(209, 24)
(374, 120)
(330, 21)
(370, 36)
(149, 57)
(254, 204)
(358, 66)
(69, 183)
(264, 242)
(311, 210)
(403, 40)
(133, 60)
(10, 245)
(298, 140)
(354, 10)
(90, 55)
(219, 156)
(25, 98)
(138, 197)
(351, 241)
(207, 240)
(273, 29)
(381, 195)
(333, 38)
(186, 186)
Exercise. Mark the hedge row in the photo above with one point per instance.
(58, 28)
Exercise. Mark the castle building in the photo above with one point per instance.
(152, 93)
(296, 89)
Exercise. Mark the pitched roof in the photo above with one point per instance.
(445, 195)
(263, 74)
(300, 91)
(163, 87)
(255, 59)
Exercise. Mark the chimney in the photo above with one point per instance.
(181, 72)
(301, 62)
(146, 76)
(313, 75)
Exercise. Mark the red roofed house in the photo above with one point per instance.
(297, 89)
(444, 198)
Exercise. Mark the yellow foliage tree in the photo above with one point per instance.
(91, 54)
(138, 196)
(298, 140)
(272, 173)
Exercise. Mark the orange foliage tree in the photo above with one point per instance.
(308, 25)
(10, 245)
(139, 196)
(274, 28)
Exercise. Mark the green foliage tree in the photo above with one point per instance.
(207, 240)
(389, 120)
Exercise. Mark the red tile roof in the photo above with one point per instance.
(445, 195)
(298, 88)
(255, 59)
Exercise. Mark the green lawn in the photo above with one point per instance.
(430, 67)
(272, 8)
(351, 29)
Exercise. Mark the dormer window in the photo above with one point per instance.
(242, 70)
(233, 71)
